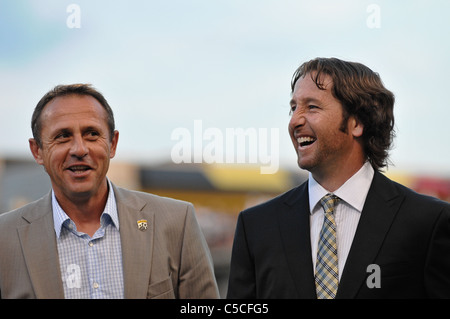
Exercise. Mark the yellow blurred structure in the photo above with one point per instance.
(221, 188)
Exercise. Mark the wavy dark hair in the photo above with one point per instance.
(362, 95)
(64, 90)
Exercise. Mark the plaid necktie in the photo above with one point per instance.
(327, 277)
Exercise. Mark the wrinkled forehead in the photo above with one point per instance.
(312, 84)
(66, 112)
(73, 105)
(321, 80)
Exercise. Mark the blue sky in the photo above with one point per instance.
(164, 64)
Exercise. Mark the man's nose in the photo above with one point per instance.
(297, 120)
(78, 147)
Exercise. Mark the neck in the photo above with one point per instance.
(85, 211)
(335, 178)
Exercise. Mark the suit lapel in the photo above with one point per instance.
(295, 233)
(38, 241)
(380, 208)
(137, 245)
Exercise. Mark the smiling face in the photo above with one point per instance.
(324, 142)
(76, 146)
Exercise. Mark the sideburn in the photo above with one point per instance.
(345, 117)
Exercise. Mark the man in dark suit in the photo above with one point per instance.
(349, 231)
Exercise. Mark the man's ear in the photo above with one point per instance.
(356, 127)
(36, 151)
(114, 141)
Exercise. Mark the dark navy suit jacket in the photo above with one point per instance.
(406, 234)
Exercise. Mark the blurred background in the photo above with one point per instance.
(162, 65)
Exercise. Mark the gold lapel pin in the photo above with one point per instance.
(142, 224)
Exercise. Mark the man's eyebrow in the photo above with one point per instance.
(90, 128)
(306, 100)
(66, 130)
(61, 130)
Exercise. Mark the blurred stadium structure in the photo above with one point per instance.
(218, 192)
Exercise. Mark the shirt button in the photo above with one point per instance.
(95, 285)
(91, 244)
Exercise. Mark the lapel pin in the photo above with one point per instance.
(142, 224)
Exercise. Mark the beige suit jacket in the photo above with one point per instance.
(168, 260)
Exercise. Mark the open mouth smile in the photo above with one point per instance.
(305, 141)
(79, 169)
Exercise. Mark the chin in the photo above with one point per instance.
(306, 165)
(302, 163)
(80, 189)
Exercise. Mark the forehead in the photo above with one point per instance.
(306, 88)
(73, 108)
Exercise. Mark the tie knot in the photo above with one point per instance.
(328, 202)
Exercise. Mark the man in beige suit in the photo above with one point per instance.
(89, 238)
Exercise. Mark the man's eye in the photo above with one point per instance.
(62, 136)
(292, 110)
(311, 107)
(93, 134)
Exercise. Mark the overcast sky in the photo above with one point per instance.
(164, 64)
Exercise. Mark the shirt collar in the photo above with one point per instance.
(59, 216)
(353, 191)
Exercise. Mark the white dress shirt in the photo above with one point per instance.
(353, 194)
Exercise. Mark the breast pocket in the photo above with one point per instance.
(161, 290)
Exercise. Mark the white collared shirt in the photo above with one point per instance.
(353, 195)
